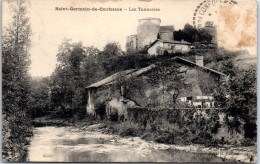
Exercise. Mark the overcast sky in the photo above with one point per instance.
(50, 26)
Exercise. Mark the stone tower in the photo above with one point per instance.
(131, 43)
(147, 31)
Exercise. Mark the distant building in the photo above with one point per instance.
(150, 34)
(159, 47)
(131, 43)
(198, 101)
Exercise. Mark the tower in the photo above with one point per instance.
(147, 31)
(131, 43)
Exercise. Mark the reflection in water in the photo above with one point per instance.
(68, 144)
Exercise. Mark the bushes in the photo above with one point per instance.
(176, 126)
(165, 137)
(129, 131)
(125, 128)
(16, 132)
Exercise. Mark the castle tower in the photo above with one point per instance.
(131, 43)
(147, 31)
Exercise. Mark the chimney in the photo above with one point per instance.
(199, 60)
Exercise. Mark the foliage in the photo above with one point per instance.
(243, 99)
(172, 126)
(78, 67)
(109, 56)
(112, 49)
(40, 102)
(66, 82)
(130, 61)
(16, 83)
(239, 97)
(191, 34)
(220, 59)
(91, 67)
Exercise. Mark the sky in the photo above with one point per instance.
(96, 28)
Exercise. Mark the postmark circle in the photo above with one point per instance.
(206, 13)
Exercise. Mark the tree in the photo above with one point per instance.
(92, 68)
(204, 35)
(110, 53)
(243, 93)
(40, 101)
(178, 35)
(66, 81)
(191, 34)
(112, 49)
(239, 97)
(16, 82)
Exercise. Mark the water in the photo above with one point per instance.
(69, 144)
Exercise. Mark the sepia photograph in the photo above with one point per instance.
(129, 81)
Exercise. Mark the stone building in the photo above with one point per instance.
(150, 86)
(131, 43)
(159, 47)
(147, 31)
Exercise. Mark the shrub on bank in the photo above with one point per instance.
(177, 126)
(16, 133)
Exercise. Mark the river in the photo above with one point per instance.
(70, 144)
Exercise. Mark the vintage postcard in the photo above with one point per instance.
(129, 81)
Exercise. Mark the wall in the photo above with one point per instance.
(181, 48)
(166, 35)
(131, 43)
(147, 31)
(153, 50)
(158, 48)
(90, 108)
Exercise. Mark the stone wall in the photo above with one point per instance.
(166, 35)
(131, 43)
(147, 31)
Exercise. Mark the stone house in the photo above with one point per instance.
(156, 85)
(159, 47)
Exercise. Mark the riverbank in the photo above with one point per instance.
(71, 144)
(229, 153)
(15, 138)
(240, 154)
